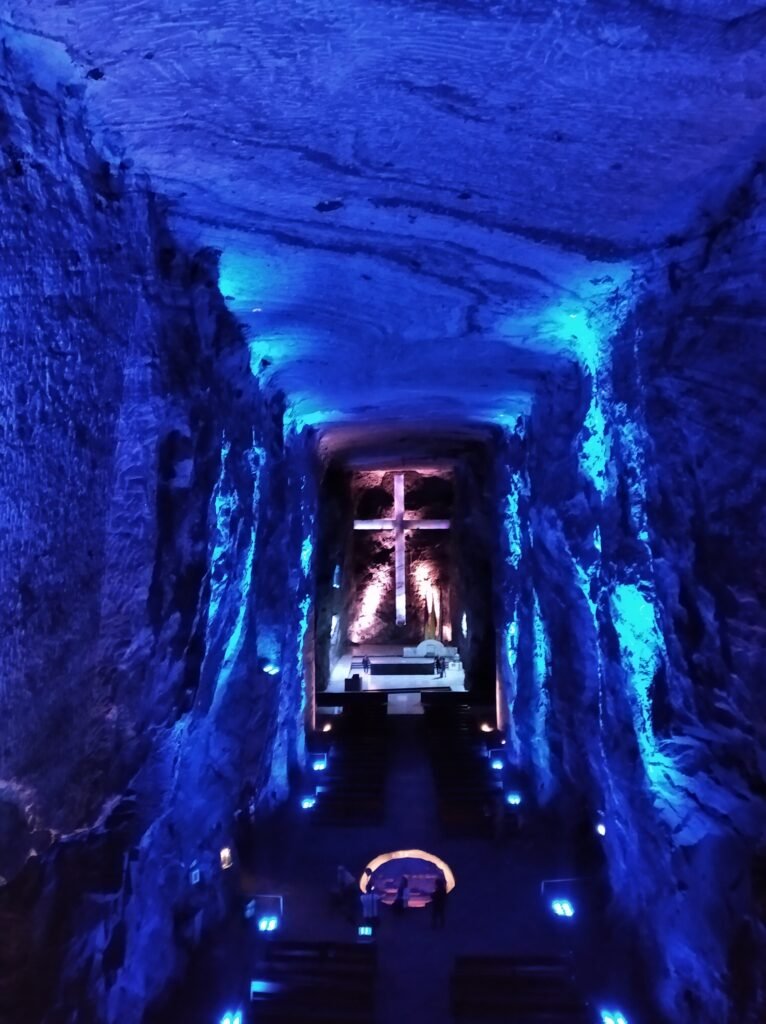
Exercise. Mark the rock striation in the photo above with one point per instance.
(142, 470)
(631, 518)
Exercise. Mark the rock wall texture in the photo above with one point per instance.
(142, 475)
(634, 602)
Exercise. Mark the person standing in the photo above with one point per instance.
(402, 895)
(439, 903)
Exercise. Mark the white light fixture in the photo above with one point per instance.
(226, 858)
(562, 908)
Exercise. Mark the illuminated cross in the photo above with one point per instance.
(399, 524)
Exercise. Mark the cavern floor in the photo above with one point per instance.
(298, 859)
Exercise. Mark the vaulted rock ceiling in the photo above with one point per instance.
(415, 201)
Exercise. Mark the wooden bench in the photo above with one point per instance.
(315, 983)
(528, 989)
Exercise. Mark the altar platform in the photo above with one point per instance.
(391, 670)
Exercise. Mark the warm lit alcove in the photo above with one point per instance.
(445, 582)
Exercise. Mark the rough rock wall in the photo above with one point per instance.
(634, 610)
(154, 566)
(472, 542)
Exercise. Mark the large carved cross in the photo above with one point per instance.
(399, 525)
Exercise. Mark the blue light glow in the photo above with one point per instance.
(613, 1017)
(308, 802)
(232, 1018)
(224, 505)
(305, 607)
(513, 528)
(307, 550)
(513, 799)
(562, 908)
(496, 764)
(595, 444)
(512, 642)
(226, 555)
(641, 652)
(632, 443)
(319, 763)
(268, 924)
(270, 669)
(541, 703)
(259, 987)
(365, 930)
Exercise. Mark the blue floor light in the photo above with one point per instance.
(319, 762)
(496, 759)
(232, 1018)
(613, 1017)
(268, 923)
(513, 799)
(563, 908)
(307, 802)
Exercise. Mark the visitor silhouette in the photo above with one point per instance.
(402, 895)
(439, 903)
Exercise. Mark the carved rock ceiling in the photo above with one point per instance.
(410, 196)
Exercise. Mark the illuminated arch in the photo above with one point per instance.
(384, 858)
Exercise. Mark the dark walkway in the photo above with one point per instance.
(496, 907)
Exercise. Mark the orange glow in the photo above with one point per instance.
(370, 604)
(384, 858)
